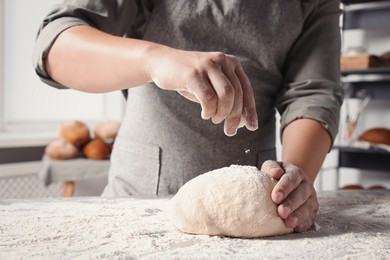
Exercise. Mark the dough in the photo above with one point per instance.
(231, 201)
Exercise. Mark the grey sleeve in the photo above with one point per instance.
(117, 17)
(312, 86)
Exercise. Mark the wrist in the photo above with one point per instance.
(153, 56)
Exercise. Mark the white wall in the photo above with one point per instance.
(26, 103)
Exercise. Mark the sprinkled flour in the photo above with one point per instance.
(349, 226)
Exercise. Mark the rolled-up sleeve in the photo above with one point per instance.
(117, 17)
(312, 87)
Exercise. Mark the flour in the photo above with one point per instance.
(231, 201)
(126, 228)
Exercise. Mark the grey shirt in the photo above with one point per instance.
(289, 50)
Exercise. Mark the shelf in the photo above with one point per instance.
(380, 71)
(353, 149)
(367, 15)
(374, 80)
(378, 90)
(349, 2)
(365, 159)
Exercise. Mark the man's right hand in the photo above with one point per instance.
(215, 80)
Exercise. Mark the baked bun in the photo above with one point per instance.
(61, 150)
(107, 130)
(74, 132)
(385, 56)
(353, 187)
(376, 136)
(377, 187)
(96, 149)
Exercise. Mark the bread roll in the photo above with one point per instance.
(107, 130)
(353, 187)
(96, 149)
(61, 150)
(376, 136)
(377, 187)
(74, 132)
(385, 56)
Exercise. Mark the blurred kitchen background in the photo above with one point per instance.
(30, 111)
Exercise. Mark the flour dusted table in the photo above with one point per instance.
(350, 225)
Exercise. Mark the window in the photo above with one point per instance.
(26, 104)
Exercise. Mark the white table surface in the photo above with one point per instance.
(350, 225)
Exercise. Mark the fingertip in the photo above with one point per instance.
(204, 115)
(292, 222)
(215, 120)
(252, 122)
(251, 127)
(231, 131)
(276, 173)
(269, 164)
(302, 227)
(278, 197)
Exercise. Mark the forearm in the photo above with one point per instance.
(89, 60)
(306, 144)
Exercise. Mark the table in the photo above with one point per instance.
(350, 225)
(71, 171)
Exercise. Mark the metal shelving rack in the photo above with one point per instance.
(366, 15)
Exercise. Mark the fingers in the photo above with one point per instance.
(304, 216)
(288, 182)
(249, 107)
(225, 87)
(232, 123)
(201, 90)
(188, 96)
(224, 92)
(294, 200)
(244, 101)
(273, 168)
(293, 193)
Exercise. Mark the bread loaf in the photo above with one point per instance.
(96, 149)
(376, 136)
(61, 150)
(107, 130)
(353, 187)
(74, 132)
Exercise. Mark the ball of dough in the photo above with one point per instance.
(107, 130)
(74, 132)
(231, 201)
(61, 150)
(96, 149)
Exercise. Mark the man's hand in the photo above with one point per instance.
(294, 194)
(215, 80)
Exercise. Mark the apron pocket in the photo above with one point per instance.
(135, 168)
